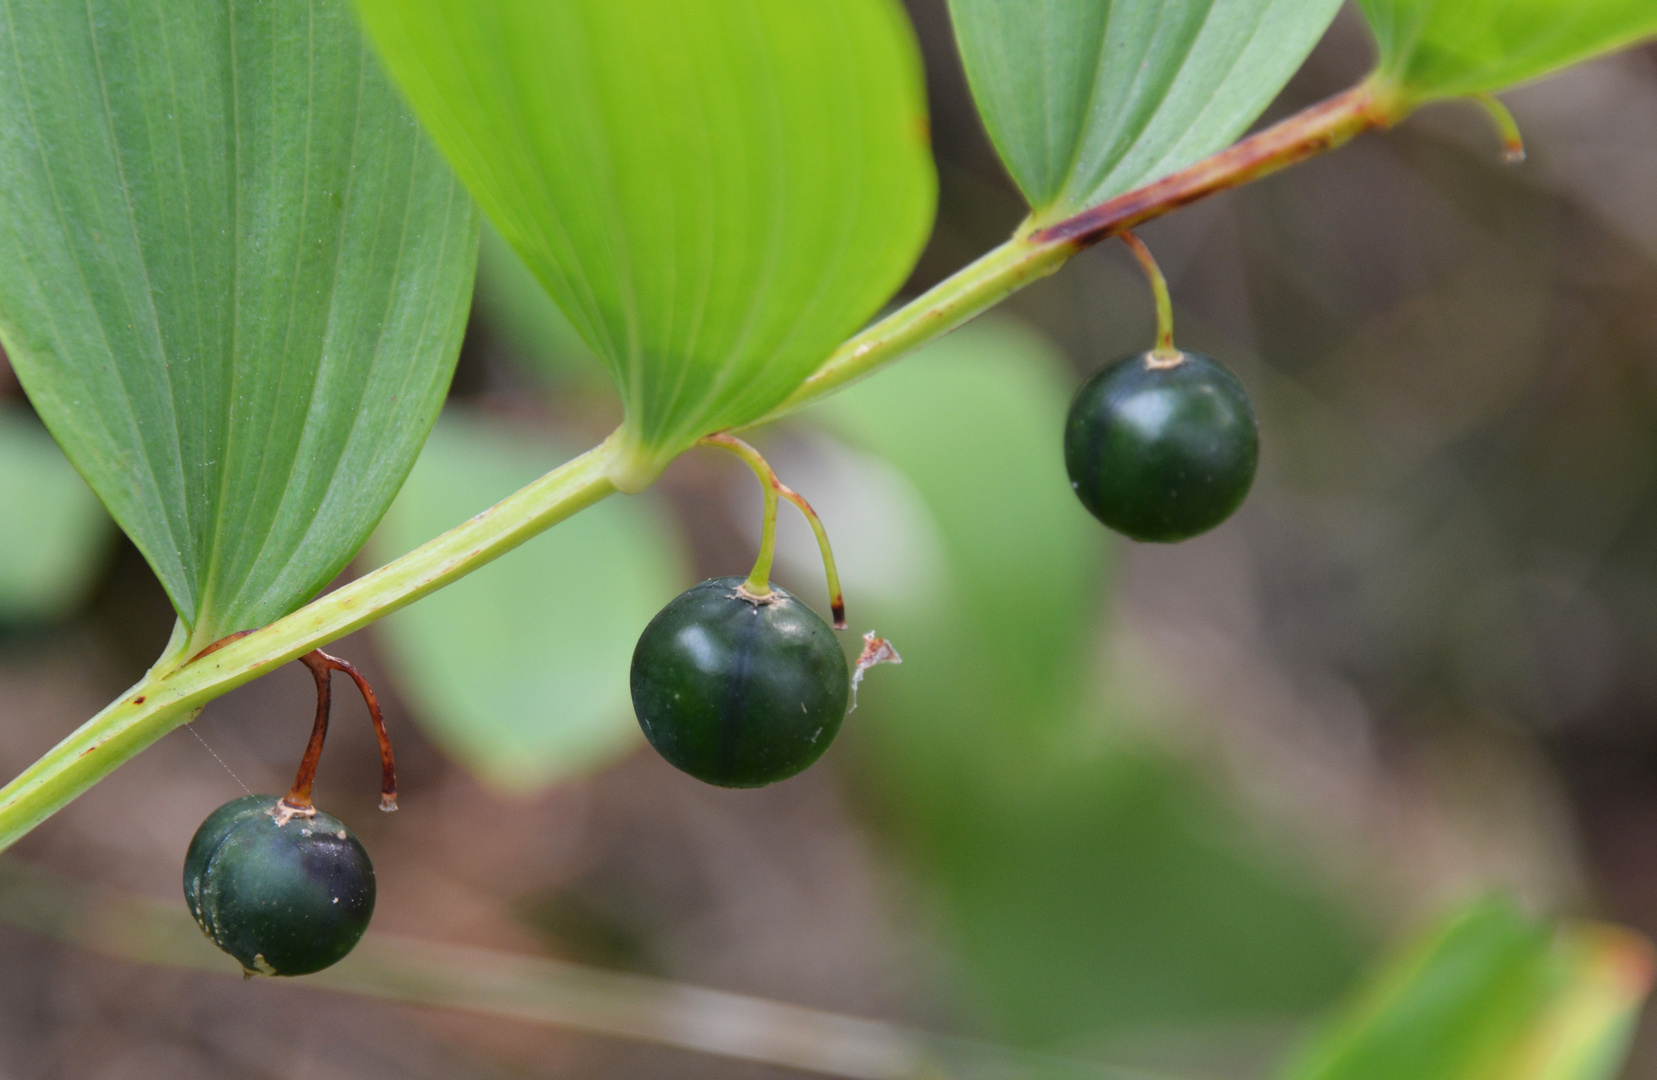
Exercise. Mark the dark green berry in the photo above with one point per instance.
(1161, 450)
(283, 898)
(736, 691)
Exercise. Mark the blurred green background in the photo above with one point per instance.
(1151, 806)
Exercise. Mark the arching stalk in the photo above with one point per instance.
(1164, 351)
(774, 488)
(1513, 143)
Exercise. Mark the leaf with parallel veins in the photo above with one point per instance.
(233, 279)
(715, 193)
(1445, 48)
(1087, 99)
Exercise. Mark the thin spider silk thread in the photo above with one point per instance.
(192, 729)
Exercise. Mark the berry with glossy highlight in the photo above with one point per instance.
(739, 691)
(1161, 450)
(283, 898)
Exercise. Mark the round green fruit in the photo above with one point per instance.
(283, 898)
(739, 691)
(1161, 450)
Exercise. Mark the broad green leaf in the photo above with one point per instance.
(715, 193)
(1491, 995)
(52, 530)
(233, 279)
(1442, 48)
(1084, 885)
(520, 670)
(1087, 99)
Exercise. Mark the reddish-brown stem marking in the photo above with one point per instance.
(219, 644)
(1324, 126)
(1042, 246)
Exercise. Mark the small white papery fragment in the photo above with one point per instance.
(876, 650)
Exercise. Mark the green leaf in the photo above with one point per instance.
(233, 279)
(1491, 994)
(715, 193)
(519, 670)
(52, 530)
(1086, 99)
(1442, 48)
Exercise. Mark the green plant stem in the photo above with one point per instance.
(175, 689)
(1035, 252)
(1159, 292)
(759, 578)
(969, 292)
(1513, 143)
(837, 599)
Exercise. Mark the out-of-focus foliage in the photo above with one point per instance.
(233, 278)
(1463, 447)
(716, 194)
(513, 304)
(1088, 99)
(1491, 995)
(971, 424)
(1089, 883)
(1441, 48)
(52, 530)
(520, 669)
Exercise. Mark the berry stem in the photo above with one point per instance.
(774, 488)
(837, 599)
(176, 687)
(322, 666)
(298, 799)
(1164, 303)
(1513, 143)
(388, 763)
(1040, 248)
(759, 578)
